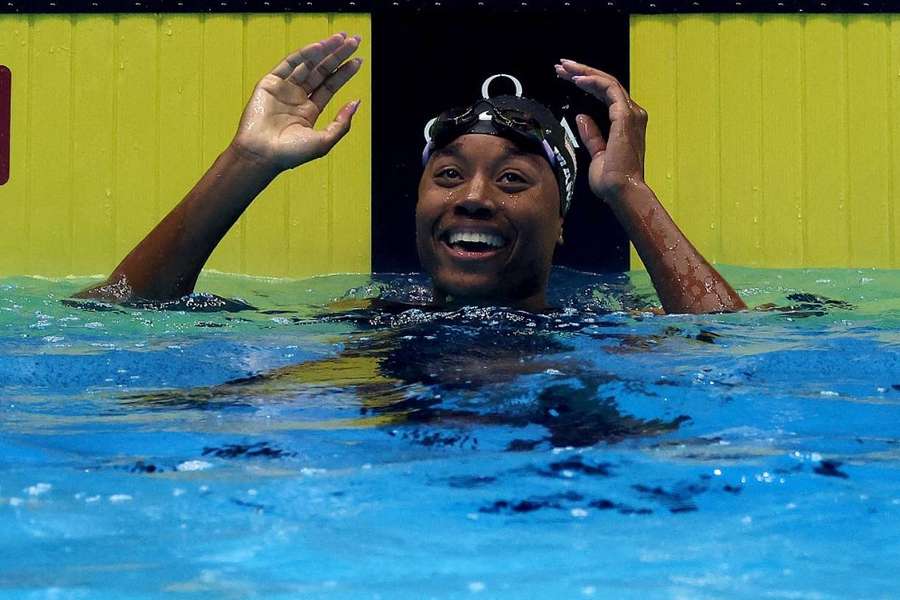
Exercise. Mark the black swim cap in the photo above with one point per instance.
(526, 122)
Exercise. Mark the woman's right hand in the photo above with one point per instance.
(277, 127)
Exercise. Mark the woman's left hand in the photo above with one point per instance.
(619, 161)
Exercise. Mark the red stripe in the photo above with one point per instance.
(5, 101)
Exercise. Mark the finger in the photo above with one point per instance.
(340, 126)
(311, 79)
(641, 113)
(334, 82)
(573, 71)
(562, 73)
(314, 53)
(590, 135)
(605, 89)
(577, 68)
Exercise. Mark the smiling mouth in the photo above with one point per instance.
(472, 244)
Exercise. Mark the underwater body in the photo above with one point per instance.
(328, 438)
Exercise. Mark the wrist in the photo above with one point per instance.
(245, 158)
(625, 190)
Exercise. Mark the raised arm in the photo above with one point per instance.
(276, 133)
(684, 280)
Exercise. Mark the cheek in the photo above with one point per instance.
(426, 213)
(540, 220)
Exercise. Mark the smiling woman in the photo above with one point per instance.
(487, 221)
(492, 200)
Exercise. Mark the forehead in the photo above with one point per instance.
(480, 146)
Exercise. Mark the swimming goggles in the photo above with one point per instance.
(486, 117)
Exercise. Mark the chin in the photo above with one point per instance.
(467, 285)
(482, 288)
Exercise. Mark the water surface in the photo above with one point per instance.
(316, 446)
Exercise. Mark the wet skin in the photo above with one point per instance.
(484, 184)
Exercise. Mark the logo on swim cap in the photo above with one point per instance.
(486, 86)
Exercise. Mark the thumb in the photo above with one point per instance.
(338, 128)
(590, 135)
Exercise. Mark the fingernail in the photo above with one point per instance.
(358, 38)
(358, 60)
(343, 34)
(566, 60)
(577, 78)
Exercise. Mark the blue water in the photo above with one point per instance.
(319, 447)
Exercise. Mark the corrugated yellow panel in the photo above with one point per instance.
(894, 138)
(180, 62)
(782, 143)
(786, 130)
(15, 32)
(868, 146)
(697, 125)
(50, 180)
(307, 188)
(825, 140)
(136, 192)
(740, 155)
(115, 117)
(653, 49)
(93, 143)
(351, 171)
(221, 101)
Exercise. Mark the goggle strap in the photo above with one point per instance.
(548, 150)
(426, 152)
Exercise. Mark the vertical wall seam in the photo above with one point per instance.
(71, 211)
(158, 110)
(201, 131)
(892, 253)
(676, 188)
(804, 168)
(113, 196)
(719, 252)
(29, 152)
(759, 208)
(847, 185)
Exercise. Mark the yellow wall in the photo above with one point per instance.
(775, 139)
(114, 117)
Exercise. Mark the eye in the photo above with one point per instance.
(511, 177)
(448, 173)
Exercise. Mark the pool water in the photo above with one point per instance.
(318, 445)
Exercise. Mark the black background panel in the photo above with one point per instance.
(427, 60)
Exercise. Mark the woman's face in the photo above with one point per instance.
(487, 222)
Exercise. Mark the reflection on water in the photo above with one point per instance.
(452, 368)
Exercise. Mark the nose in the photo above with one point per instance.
(475, 202)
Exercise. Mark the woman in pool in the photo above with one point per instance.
(492, 197)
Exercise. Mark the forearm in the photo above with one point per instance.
(684, 280)
(166, 263)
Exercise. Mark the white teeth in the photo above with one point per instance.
(469, 236)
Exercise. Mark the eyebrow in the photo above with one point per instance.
(511, 151)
